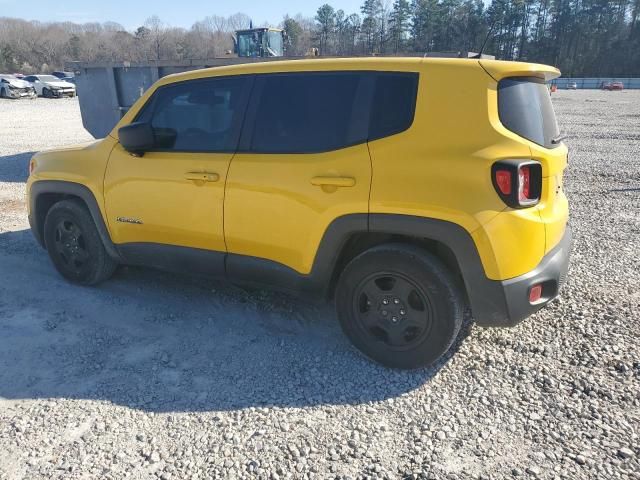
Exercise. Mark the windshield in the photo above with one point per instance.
(48, 78)
(525, 108)
(249, 44)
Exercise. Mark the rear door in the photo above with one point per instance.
(303, 162)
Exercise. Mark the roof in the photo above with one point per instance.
(496, 68)
(260, 29)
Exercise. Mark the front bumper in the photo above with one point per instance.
(508, 303)
(64, 92)
(21, 93)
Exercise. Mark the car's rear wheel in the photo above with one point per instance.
(399, 305)
(74, 244)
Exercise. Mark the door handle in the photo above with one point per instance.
(333, 181)
(202, 176)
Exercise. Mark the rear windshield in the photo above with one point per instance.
(525, 108)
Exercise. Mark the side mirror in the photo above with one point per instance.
(136, 137)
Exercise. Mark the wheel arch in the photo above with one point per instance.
(360, 242)
(43, 194)
(450, 242)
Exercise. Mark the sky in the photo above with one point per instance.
(133, 13)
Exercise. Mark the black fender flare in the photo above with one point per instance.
(73, 189)
(486, 297)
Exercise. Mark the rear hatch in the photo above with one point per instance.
(525, 108)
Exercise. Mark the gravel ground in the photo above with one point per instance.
(157, 376)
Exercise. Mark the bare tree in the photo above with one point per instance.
(157, 35)
(238, 21)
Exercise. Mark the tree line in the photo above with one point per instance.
(581, 37)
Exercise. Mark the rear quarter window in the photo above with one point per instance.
(525, 108)
(393, 105)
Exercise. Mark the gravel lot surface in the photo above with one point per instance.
(157, 376)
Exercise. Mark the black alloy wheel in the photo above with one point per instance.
(70, 245)
(399, 305)
(74, 244)
(392, 309)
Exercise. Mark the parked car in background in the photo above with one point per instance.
(62, 75)
(18, 75)
(12, 87)
(572, 86)
(612, 86)
(65, 76)
(51, 87)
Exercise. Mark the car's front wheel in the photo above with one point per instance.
(399, 305)
(46, 93)
(74, 244)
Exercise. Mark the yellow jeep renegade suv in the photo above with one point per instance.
(402, 188)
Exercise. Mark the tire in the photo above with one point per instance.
(46, 93)
(74, 244)
(399, 305)
(3, 93)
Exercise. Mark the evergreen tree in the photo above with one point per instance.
(325, 19)
(399, 23)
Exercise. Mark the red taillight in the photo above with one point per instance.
(535, 293)
(503, 180)
(517, 182)
(524, 183)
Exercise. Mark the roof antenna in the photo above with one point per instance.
(486, 39)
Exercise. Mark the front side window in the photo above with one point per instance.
(306, 112)
(275, 44)
(197, 116)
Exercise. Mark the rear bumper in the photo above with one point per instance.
(509, 300)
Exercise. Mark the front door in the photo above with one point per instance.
(173, 195)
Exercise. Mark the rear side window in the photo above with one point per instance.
(525, 108)
(394, 103)
(306, 113)
(312, 112)
(197, 116)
